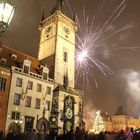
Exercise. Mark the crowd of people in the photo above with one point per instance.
(78, 134)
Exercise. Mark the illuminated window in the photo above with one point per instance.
(37, 103)
(15, 116)
(48, 91)
(47, 105)
(30, 85)
(19, 82)
(28, 101)
(2, 84)
(17, 99)
(39, 87)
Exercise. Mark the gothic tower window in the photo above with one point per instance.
(65, 80)
(65, 57)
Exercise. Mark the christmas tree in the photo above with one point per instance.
(98, 124)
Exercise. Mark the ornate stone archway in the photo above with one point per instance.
(43, 125)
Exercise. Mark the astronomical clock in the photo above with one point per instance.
(68, 113)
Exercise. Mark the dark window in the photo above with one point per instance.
(15, 115)
(65, 81)
(47, 105)
(17, 99)
(28, 101)
(3, 61)
(19, 82)
(48, 91)
(37, 103)
(2, 84)
(14, 57)
(65, 56)
(26, 69)
(39, 87)
(45, 76)
(30, 85)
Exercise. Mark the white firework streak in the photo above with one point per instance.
(92, 37)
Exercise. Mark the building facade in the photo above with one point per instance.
(42, 92)
(117, 122)
(5, 77)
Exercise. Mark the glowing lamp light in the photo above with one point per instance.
(82, 55)
(6, 15)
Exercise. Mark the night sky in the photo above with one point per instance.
(122, 88)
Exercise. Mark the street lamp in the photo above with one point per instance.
(6, 15)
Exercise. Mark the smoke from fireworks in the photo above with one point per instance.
(94, 39)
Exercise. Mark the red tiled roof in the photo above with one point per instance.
(6, 53)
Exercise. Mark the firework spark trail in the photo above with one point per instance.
(93, 35)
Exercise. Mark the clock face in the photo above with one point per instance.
(53, 119)
(48, 29)
(69, 113)
(67, 30)
(68, 125)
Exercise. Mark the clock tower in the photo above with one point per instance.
(57, 51)
(57, 46)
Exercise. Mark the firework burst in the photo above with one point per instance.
(94, 37)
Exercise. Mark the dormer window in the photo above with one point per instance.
(45, 76)
(14, 57)
(26, 66)
(26, 69)
(3, 61)
(45, 72)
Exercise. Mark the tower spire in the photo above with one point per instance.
(74, 16)
(59, 6)
(42, 17)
